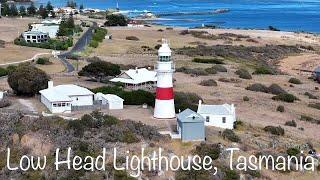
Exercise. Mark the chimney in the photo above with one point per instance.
(200, 103)
(50, 84)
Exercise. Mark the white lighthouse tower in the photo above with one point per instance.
(164, 106)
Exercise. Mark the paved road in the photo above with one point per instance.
(79, 46)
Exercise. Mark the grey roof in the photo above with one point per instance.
(224, 109)
(189, 116)
(317, 69)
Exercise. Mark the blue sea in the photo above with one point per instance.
(288, 15)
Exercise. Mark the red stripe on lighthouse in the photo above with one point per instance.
(164, 93)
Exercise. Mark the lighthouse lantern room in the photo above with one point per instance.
(164, 105)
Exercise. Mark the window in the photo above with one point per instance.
(34, 37)
(54, 105)
(77, 99)
(28, 37)
(63, 104)
(223, 119)
(34, 41)
(207, 118)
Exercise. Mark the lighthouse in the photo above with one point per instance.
(164, 105)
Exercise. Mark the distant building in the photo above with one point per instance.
(35, 36)
(222, 116)
(61, 98)
(137, 78)
(113, 101)
(190, 126)
(317, 73)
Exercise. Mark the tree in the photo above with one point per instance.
(100, 69)
(116, 20)
(32, 10)
(81, 7)
(49, 6)
(43, 12)
(66, 27)
(5, 10)
(22, 11)
(27, 80)
(13, 11)
(71, 4)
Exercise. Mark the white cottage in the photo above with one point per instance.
(61, 98)
(113, 101)
(222, 116)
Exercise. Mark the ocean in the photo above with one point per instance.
(287, 15)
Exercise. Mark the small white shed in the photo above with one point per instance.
(113, 101)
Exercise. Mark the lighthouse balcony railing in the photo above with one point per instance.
(167, 67)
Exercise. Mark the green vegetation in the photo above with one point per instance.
(209, 82)
(212, 150)
(311, 96)
(27, 80)
(196, 71)
(314, 105)
(137, 97)
(245, 98)
(97, 37)
(132, 38)
(230, 135)
(272, 89)
(291, 123)
(309, 119)
(116, 20)
(67, 27)
(43, 60)
(220, 68)
(263, 70)
(185, 100)
(243, 74)
(12, 10)
(280, 108)
(100, 70)
(3, 71)
(274, 130)
(286, 97)
(295, 81)
(271, 28)
(208, 60)
(51, 44)
(293, 151)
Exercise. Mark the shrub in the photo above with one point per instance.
(286, 97)
(311, 96)
(212, 150)
(43, 60)
(208, 60)
(27, 80)
(263, 70)
(293, 151)
(275, 89)
(274, 130)
(186, 100)
(132, 38)
(4, 103)
(314, 105)
(209, 82)
(280, 108)
(230, 135)
(309, 119)
(157, 47)
(245, 98)
(100, 69)
(94, 44)
(258, 88)
(3, 72)
(220, 68)
(196, 71)
(295, 81)
(271, 28)
(243, 74)
(116, 20)
(291, 123)
(211, 70)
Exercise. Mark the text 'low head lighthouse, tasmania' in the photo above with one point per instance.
(164, 106)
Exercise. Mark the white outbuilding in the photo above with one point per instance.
(62, 98)
(113, 101)
(222, 116)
